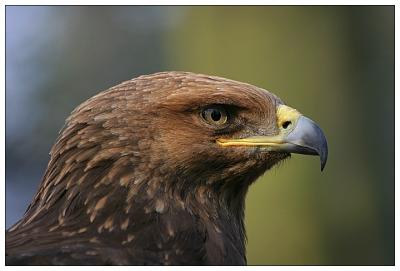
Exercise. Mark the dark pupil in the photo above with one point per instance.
(215, 115)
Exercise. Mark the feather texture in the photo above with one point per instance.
(136, 178)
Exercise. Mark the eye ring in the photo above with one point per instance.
(215, 116)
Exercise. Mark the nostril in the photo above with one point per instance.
(286, 124)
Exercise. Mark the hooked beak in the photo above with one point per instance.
(297, 134)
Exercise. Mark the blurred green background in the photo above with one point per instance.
(334, 64)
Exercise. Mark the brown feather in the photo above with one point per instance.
(135, 177)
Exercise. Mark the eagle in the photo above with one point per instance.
(155, 171)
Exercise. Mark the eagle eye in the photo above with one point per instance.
(215, 116)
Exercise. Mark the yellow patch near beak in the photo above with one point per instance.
(286, 114)
(286, 119)
(297, 134)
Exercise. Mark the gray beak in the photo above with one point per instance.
(297, 134)
(307, 138)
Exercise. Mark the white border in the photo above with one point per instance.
(200, 2)
(181, 2)
(396, 146)
(2, 136)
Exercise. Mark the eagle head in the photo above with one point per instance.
(162, 160)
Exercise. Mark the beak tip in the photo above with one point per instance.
(322, 166)
(323, 156)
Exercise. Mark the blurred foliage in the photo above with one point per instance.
(334, 64)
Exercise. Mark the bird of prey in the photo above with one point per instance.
(155, 170)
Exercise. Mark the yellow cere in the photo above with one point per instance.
(286, 113)
(283, 114)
